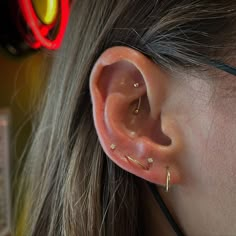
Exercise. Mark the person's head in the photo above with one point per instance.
(77, 184)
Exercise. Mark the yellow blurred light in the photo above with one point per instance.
(46, 10)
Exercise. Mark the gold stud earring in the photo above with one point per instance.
(150, 162)
(113, 146)
(167, 179)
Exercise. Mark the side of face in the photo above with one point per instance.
(207, 116)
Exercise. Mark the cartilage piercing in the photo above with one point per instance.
(145, 167)
(136, 111)
(136, 162)
(150, 161)
(113, 146)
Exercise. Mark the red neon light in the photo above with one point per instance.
(36, 45)
(38, 31)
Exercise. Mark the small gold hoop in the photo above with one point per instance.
(167, 179)
(137, 162)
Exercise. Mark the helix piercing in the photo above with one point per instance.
(167, 179)
(113, 146)
(137, 162)
(149, 160)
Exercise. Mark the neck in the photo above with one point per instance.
(154, 220)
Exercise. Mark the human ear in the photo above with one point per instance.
(122, 80)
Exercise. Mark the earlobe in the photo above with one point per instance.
(128, 93)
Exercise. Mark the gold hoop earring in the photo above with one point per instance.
(137, 162)
(167, 180)
(145, 167)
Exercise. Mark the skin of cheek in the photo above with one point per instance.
(208, 193)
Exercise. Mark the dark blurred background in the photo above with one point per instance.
(21, 79)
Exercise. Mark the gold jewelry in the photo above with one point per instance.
(113, 146)
(167, 179)
(149, 160)
(145, 167)
(136, 111)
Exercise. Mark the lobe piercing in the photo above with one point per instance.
(167, 179)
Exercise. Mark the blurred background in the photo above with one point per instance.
(21, 79)
(26, 29)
